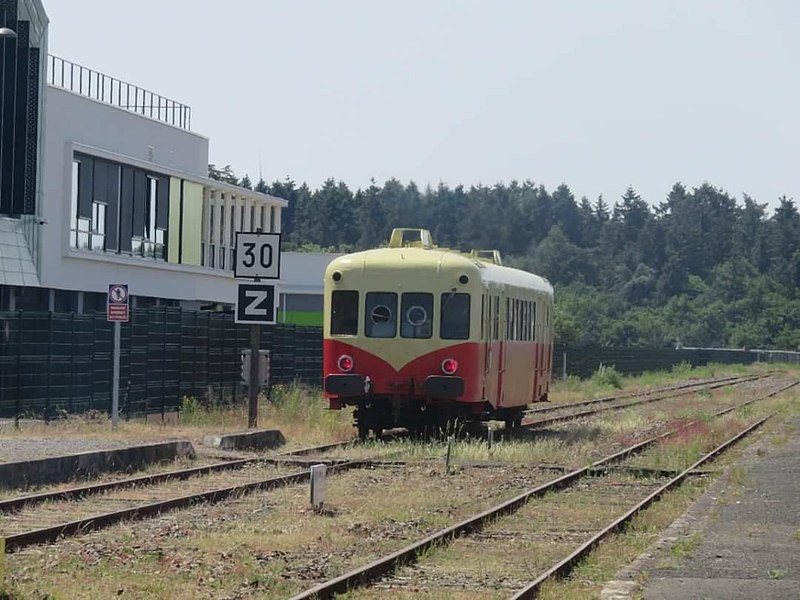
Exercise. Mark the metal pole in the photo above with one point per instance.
(253, 388)
(115, 378)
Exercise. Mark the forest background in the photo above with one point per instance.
(699, 268)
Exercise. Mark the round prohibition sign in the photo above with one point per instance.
(118, 294)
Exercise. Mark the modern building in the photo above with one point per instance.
(102, 181)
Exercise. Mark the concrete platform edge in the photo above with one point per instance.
(60, 469)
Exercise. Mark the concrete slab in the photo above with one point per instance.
(265, 438)
(60, 469)
(745, 530)
(724, 589)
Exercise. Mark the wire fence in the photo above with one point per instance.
(583, 361)
(53, 364)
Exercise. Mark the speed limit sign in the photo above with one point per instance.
(258, 255)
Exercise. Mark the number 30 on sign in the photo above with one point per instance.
(258, 255)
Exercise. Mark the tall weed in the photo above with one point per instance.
(607, 376)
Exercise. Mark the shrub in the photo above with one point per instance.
(682, 368)
(607, 376)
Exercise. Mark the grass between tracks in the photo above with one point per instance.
(617, 551)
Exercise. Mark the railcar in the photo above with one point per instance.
(417, 336)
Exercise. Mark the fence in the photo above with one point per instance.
(110, 90)
(583, 361)
(54, 363)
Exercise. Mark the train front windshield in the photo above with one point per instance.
(414, 317)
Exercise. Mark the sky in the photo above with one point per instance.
(600, 95)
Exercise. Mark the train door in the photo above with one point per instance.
(492, 348)
(530, 338)
(486, 338)
(502, 346)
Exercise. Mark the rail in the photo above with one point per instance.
(110, 90)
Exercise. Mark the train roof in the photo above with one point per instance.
(442, 259)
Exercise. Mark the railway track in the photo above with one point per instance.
(652, 396)
(636, 498)
(668, 388)
(39, 518)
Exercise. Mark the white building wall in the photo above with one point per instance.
(77, 123)
(74, 119)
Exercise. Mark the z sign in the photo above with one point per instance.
(256, 303)
(258, 256)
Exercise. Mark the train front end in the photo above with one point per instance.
(400, 339)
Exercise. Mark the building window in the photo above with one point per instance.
(272, 219)
(222, 224)
(84, 234)
(253, 218)
(233, 224)
(263, 221)
(152, 246)
(211, 210)
(73, 215)
(98, 235)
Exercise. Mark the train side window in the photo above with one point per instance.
(483, 309)
(533, 320)
(511, 307)
(416, 320)
(524, 320)
(381, 315)
(344, 312)
(528, 321)
(454, 323)
(496, 318)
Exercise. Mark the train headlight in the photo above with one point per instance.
(449, 366)
(346, 363)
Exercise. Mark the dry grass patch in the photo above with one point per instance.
(298, 411)
(573, 389)
(506, 554)
(618, 550)
(264, 545)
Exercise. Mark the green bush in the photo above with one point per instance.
(607, 376)
(682, 368)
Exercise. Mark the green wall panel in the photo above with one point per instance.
(192, 222)
(307, 319)
(173, 243)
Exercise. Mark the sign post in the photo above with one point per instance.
(253, 387)
(258, 256)
(117, 311)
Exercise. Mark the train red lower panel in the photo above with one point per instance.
(501, 375)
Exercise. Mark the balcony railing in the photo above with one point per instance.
(92, 84)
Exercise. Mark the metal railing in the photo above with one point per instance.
(93, 84)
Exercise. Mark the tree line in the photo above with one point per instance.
(697, 269)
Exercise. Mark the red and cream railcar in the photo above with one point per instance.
(416, 335)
